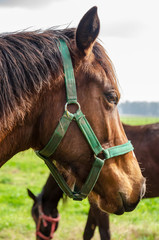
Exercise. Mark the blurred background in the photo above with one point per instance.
(130, 35)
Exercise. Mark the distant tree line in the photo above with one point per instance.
(139, 108)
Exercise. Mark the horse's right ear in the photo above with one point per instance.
(31, 195)
(87, 31)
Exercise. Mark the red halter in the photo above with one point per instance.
(44, 219)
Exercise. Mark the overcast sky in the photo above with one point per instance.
(129, 32)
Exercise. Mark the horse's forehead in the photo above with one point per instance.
(98, 73)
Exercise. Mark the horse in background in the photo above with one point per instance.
(32, 100)
(44, 209)
(46, 216)
(145, 139)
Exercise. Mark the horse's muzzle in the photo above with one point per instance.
(128, 207)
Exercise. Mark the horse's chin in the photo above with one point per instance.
(110, 207)
(106, 205)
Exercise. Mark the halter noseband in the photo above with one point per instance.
(44, 219)
(87, 131)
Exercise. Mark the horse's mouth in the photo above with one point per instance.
(123, 205)
(126, 207)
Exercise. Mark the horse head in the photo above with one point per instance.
(120, 184)
(46, 217)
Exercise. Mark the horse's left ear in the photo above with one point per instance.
(87, 31)
(31, 195)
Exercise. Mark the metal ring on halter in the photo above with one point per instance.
(102, 152)
(69, 103)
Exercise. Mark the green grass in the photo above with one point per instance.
(26, 170)
(143, 223)
(134, 120)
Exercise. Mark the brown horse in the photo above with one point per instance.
(32, 100)
(44, 210)
(145, 139)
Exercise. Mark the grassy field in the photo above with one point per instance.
(133, 120)
(26, 170)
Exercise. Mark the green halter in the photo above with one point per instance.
(87, 131)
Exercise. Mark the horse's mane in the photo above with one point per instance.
(27, 60)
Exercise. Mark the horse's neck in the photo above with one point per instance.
(51, 194)
(16, 141)
(24, 134)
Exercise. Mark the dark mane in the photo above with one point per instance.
(27, 60)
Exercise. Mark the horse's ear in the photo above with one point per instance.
(87, 31)
(31, 195)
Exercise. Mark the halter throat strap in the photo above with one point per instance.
(87, 131)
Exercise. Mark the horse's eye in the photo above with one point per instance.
(111, 97)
